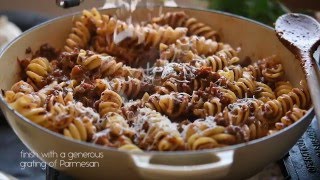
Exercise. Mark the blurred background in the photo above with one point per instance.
(25, 14)
(265, 11)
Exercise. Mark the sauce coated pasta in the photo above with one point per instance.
(168, 84)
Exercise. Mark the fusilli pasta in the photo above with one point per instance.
(180, 19)
(81, 34)
(163, 85)
(37, 71)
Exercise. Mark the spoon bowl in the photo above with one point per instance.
(299, 30)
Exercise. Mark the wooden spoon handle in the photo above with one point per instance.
(313, 79)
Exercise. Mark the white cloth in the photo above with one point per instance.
(4, 176)
(8, 31)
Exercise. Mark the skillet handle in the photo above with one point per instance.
(216, 169)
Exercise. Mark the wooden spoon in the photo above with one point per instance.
(301, 35)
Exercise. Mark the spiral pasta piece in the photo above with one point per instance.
(22, 87)
(209, 108)
(106, 65)
(239, 112)
(108, 139)
(80, 33)
(111, 68)
(228, 53)
(180, 19)
(101, 85)
(29, 106)
(157, 132)
(72, 119)
(80, 129)
(168, 86)
(11, 96)
(62, 90)
(173, 77)
(88, 59)
(162, 34)
(61, 115)
(38, 69)
(273, 110)
(198, 83)
(63, 99)
(232, 72)
(115, 37)
(187, 85)
(177, 52)
(130, 88)
(263, 92)
(148, 36)
(203, 105)
(187, 48)
(272, 70)
(205, 134)
(106, 26)
(93, 15)
(282, 87)
(98, 44)
(173, 105)
(301, 96)
(255, 70)
(173, 70)
(266, 70)
(254, 130)
(115, 125)
(226, 96)
(110, 101)
(129, 56)
(244, 87)
(291, 117)
(78, 38)
(216, 62)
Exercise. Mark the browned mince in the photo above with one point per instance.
(150, 56)
(214, 91)
(47, 51)
(238, 133)
(183, 123)
(246, 61)
(221, 121)
(67, 61)
(88, 94)
(23, 66)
